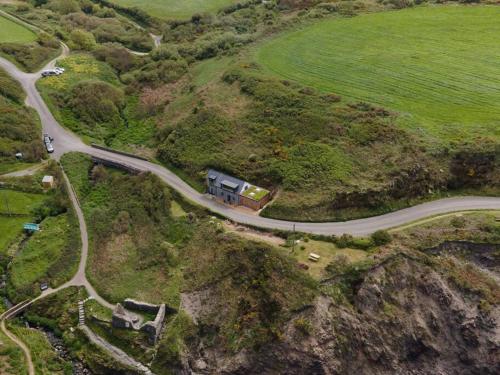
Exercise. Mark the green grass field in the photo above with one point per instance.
(15, 202)
(41, 251)
(18, 202)
(436, 64)
(11, 32)
(168, 9)
(10, 228)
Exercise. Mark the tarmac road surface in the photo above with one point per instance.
(66, 141)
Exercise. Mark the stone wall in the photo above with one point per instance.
(132, 304)
(153, 328)
(124, 319)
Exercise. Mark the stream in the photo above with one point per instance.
(58, 345)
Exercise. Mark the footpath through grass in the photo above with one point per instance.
(437, 64)
(168, 9)
(12, 32)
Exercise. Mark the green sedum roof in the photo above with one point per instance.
(255, 193)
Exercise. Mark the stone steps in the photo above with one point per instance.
(81, 313)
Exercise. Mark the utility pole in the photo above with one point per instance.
(293, 240)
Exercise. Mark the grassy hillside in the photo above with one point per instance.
(19, 127)
(169, 9)
(22, 205)
(132, 237)
(50, 255)
(13, 32)
(89, 99)
(44, 357)
(12, 360)
(434, 64)
(27, 49)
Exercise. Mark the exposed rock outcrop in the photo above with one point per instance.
(407, 316)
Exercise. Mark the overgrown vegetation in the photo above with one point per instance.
(12, 357)
(134, 241)
(253, 287)
(90, 100)
(45, 359)
(59, 314)
(19, 127)
(32, 56)
(50, 255)
(77, 21)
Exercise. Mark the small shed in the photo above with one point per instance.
(48, 182)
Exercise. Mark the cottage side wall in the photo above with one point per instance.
(221, 194)
(253, 204)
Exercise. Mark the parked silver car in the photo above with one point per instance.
(49, 147)
(52, 72)
(47, 140)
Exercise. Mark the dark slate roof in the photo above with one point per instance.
(230, 181)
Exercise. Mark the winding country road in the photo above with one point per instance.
(66, 141)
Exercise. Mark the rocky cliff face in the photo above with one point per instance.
(409, 313)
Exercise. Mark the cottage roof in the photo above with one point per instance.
(223, 180)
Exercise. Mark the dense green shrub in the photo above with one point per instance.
(18, 124)
(381, 237)
(30, 56)
(63, 6)
(137, 14)
(82, 40)
(97, 102)
(10, 88)
(117, 56)
(343, 241)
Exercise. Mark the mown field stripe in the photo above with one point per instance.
(436, 63)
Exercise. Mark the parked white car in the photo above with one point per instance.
(53, 72)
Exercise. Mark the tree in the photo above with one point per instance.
(83, 40)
